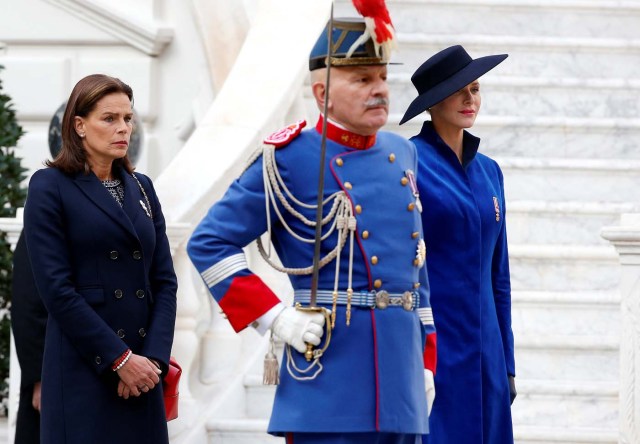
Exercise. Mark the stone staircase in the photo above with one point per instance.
(560, 115)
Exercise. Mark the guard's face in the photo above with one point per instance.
(107, 129)
(359, 98)
(459, 110)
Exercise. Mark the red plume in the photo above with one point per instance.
(378, 26)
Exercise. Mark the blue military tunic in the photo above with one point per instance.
(373, 369)
(467, 257)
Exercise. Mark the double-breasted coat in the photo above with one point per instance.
(373, 371)
(468, 267)
(106, 277)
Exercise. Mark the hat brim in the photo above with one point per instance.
(474, 70)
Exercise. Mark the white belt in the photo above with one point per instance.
(380, 299)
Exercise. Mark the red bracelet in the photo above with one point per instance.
(121, 360)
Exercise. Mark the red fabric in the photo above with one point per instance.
(346, 138)
(430, 355)
(247, 299)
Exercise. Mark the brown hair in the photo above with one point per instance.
(72, 157)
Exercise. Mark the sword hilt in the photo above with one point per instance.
(310, 353)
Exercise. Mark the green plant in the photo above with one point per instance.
(12, 196)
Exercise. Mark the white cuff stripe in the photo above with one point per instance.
(426, 315)
(223, 269)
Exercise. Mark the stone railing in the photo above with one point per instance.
(626, 239)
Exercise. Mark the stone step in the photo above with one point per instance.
(541, 222)
(567, 358)
(532, 56)
(542, 137)
(558, 18)
(563, 268)
(565, 313)
(556, 179)
(566, 404)
(239, 431)
(563, 435)
(259, 396)
(539, 96)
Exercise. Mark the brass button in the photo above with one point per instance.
(98, 360)
(142, 332)
(358, 209)
(120, 333)
(113, 255)
(411, 206)
(365, 234)
(416, 285)
(404, 181)
(414, 235)
(392, 157)
(339, 162)
(140, 294)
(374, 260)
(348, 185)
(137, 255)
(118, 293)
(377, 283)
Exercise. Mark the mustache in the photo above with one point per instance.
(376, 101)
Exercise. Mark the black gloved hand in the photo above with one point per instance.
(512, 388)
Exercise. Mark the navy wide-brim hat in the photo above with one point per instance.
(443, 74)
(344, 34)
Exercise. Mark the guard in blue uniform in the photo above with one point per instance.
(372, 382)
(464, 220)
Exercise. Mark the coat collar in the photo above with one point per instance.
(470, 143)
(126, 215)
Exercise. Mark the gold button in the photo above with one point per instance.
(416, 262)
(416, 285)
(404, 181)
(365, 234)
(339, 162)
(377, 283)
(392, 157)
(348, 185)
(414, 235)
(411, 206)
(358, 209)
(374, 260)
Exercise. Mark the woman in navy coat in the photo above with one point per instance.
(101, 260)
(462, 194)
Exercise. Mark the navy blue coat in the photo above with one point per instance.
(106, 276)
(468, 267)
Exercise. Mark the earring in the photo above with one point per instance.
(81, 135)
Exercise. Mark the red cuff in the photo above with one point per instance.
(247, 299)
(430, 353)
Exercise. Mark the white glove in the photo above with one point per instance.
(430, 389)
(298, 327)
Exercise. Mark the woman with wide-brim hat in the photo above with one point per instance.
(463, 202)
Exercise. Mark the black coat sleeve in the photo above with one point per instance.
(28, 316)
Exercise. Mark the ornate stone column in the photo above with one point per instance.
(626, 239)
(185, 339)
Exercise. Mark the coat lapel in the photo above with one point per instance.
(91, 186)
(132, 198)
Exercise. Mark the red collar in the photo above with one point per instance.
(345, 137)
